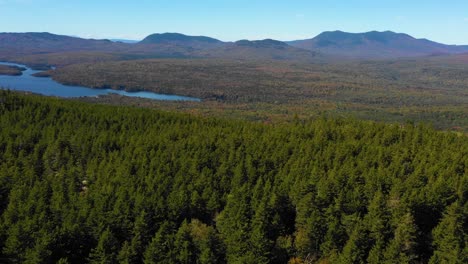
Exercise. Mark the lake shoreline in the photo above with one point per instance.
(40, 82)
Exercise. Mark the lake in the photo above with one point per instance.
(47, 86)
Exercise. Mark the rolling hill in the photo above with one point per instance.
(170, 45)
(375, 44)
(267, 49)
(181, 39)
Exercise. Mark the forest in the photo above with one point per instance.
(416, 82)
(423, 89)
(264, 80)
(93, 183)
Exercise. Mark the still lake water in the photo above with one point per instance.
(47, 86)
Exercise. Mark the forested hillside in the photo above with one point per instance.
(90, 183)
(432, 90)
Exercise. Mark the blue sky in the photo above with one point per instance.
(443, 21)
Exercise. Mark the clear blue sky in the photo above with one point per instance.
(443, 21)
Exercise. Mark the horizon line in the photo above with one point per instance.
(123, 38)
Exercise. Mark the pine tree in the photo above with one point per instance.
(260, 240)
(450, 237)
(234, 226)
(355, 249)
(209, 246)
(132, 252)
(161, 248)
(184, 248)
(402, 248)
(377, 221)
(106, 249)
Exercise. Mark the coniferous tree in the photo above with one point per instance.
(401, 248)
(184, 248)
(450, 237)
(234, 226)
(377, 224)
(161, 248)
(106, 249)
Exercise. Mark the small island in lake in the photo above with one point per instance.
(11, 70)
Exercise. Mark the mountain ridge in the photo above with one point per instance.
(375, 44)
(159, 45)
(176, 37)
(332, 44)
(29, 43)
(266, 49)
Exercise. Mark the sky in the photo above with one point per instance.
(230, 20)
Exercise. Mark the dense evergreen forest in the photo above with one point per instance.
(84, 183)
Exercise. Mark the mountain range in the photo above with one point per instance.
(335, 44)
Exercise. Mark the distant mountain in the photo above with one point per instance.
(259, 49)
(46, 48)
(196, 42)
(18, 44)
(375, 44)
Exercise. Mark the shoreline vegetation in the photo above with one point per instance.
(48, 86)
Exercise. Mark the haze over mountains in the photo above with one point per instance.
(370, 45)
(129, 41)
